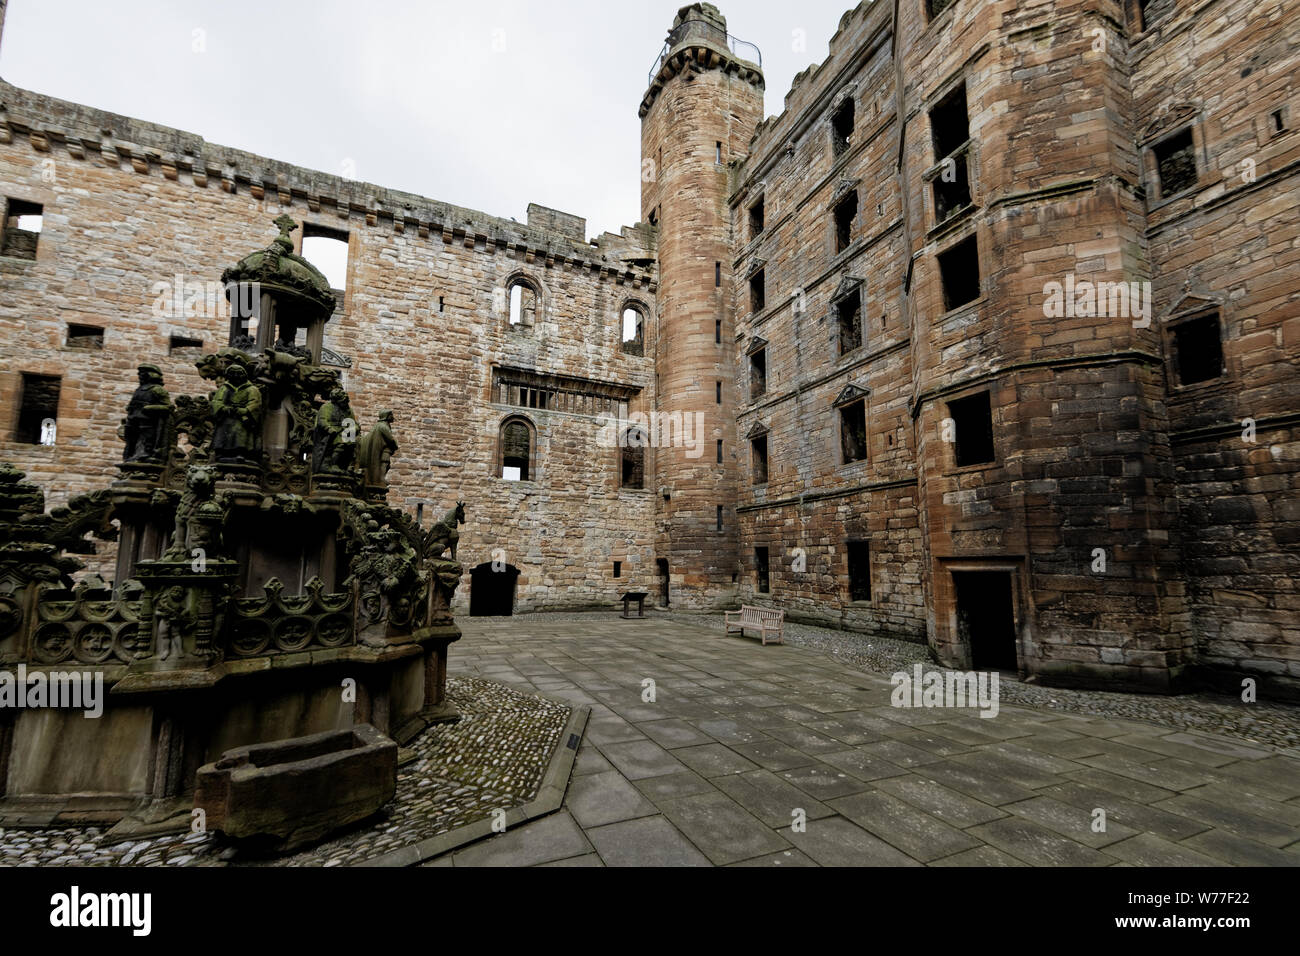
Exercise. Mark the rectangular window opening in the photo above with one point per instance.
(22, 228)
(1176, 163)
(846, 210)
(85, 337)
(618, 569)
(853, 431)
(38, 410)
(327, 250)
(179, 342)
(717, 331)
(959, 271)
(972, 420)
(719, 517)
(761, 582)
(757, 373)
(842, 126)
(718, 390)
(848, 315)
(758, 458)
(719, 451)
(859, 571)
(756, 218)
(1198, 349)
(757, 291)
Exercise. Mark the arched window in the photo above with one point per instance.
(633, 458)
(522, 300)
(515, 460)
(633, 330)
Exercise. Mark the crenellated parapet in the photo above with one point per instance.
(697, 42)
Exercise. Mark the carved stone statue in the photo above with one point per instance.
(377, 450)
(334, 439)
(145, 427)
(443, 536)
(237, 417)
(198, 516)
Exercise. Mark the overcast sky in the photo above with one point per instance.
(485, 104)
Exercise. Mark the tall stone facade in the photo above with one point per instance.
(988, 339)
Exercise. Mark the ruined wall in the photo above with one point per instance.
(424, 320)
(1230, 245)
(814, 501)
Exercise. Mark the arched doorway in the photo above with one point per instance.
(492, 592)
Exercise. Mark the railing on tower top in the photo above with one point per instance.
(704, 30)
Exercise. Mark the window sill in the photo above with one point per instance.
(973, 305)
(1208, 386)
(972, 469)
(957, 218)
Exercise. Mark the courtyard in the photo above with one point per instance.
(784, 755)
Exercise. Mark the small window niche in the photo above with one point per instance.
(936, 7)
(1197, 349)
(959, 272)
(757, 373)
(758, 291)
(853, 431)
(859, 554)
(758, 459)
(1176, 163)
(633, 458)
(521, 298)
(618, 569)
(633, 331)
(846, 211)
(327, 250)
(950, 133)
(183, 344)
(1277, 122)
(38, 409)
(762, 584)
(85, 337)
(22, 228)
(972, 419)
(516, 443)
(842, 127)
(848, 321)
(756, 218)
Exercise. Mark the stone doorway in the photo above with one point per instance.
(662, 565)
(986, 618)
(492, 592)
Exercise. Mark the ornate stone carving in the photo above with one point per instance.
(145, 427)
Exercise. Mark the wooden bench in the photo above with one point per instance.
(765, 620)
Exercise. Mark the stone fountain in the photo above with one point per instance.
(265, 590)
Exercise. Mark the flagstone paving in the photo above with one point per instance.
(783, 755)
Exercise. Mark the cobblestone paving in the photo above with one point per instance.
(493, 758)
(744, 742)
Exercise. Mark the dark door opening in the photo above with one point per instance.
(986, 618)
(662, 565)
(492, 593)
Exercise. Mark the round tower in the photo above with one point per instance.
(699, 113)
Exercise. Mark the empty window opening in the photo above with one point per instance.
(661, 568)
(1198, 349)
(440, 304)
(523, 304)
(1278, 121)
(757, 291)
(842, 126)
(756, 218)
(85, 337)
(178, 342)
(1176, 163)
(717, 275)
(327, 250)
(719, 517)
(859, 571)
(973, 429)
(717, 153)
(848, 316)
(846, 210)
(936, 7)
(761, 582)
(986, 620)
(959, 271)
(718, 391)
(633, 331)
(634, 442)
(758, 373)
(758, 458)
(853, 431)
(516, 450)
(950, 133)
(22, 228)
(717, 331)
(719, 451)
(618, 569)
(38, 410)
